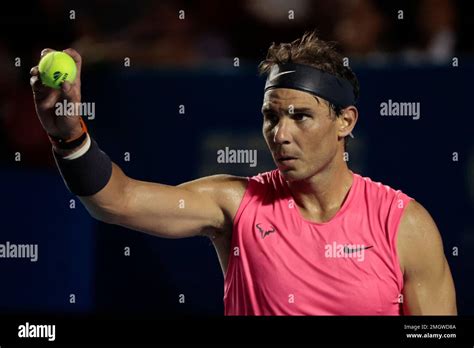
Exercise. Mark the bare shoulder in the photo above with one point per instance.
(216, 185)
(226, 190)
(416, 215)
(418, 239)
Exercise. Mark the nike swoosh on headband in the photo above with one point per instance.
(336, 90)
(282, 73)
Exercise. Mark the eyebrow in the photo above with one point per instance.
(299, 110)
(302, 110)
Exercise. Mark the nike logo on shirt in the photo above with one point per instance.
(348, 250)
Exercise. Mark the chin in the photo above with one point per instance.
(291, 174)
(297, 174)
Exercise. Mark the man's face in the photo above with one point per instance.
(300, 132)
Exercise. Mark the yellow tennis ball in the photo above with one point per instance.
(55, 68)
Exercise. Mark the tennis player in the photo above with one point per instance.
(310, 237)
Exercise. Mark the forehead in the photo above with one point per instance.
(283, 97)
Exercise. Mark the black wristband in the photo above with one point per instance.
(87, 174)
(67, 145)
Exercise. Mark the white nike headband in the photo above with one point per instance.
(334, 89)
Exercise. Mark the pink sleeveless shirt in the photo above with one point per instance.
(283, 264)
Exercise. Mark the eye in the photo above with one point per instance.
(300, 116)
(270, 117)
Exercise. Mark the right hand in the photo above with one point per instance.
(45, 98)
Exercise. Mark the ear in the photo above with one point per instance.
(347, 121)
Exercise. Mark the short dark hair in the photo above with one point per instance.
(311, 50)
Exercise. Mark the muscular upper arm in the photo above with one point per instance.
(198, 207)
(428, 284)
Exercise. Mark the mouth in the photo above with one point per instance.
(284, 157)
(286, 160)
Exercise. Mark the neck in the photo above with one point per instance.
(322, 195)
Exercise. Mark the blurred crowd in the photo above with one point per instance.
(192, 32)
(210, 32)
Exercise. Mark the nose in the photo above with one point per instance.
(281, 134)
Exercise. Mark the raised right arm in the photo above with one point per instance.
(201, 207)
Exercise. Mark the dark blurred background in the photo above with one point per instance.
(409, 51)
